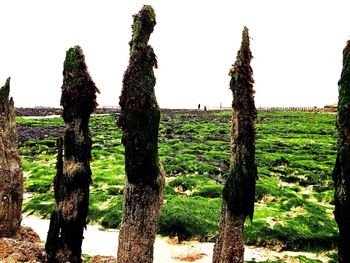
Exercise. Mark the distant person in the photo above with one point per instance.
(199, 106)
(205, 108)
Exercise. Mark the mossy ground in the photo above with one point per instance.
(295, 154)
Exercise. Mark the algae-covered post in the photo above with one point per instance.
(11, 176)
(73, 176)
(139, 120)
(239, 190)
(341, 172)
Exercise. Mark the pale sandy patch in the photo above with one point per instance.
(105, 242)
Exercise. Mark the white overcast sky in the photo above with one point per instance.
(297, 47)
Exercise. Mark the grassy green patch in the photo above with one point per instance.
(190, 217)
(295, 154)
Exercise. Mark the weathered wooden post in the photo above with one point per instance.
(73, 175)
(239, 190)
(341, 172)
(139, 120)
(11, 176)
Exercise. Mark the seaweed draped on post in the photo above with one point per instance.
(239, 189)
(139, 120)
(73, 176)
(341, 172)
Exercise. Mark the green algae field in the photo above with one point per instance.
(295, 155)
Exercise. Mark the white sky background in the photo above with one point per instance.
(297, 47)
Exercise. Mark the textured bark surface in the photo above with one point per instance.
(141, 213)
(229, 246)
(341, 172)
(239, 189)
(139, 120)
(11, 176)
(73, 175)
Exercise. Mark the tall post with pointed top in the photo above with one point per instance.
(239, 190)
(341, 172)
(11, 176)
(139, 120)
(73, 176)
